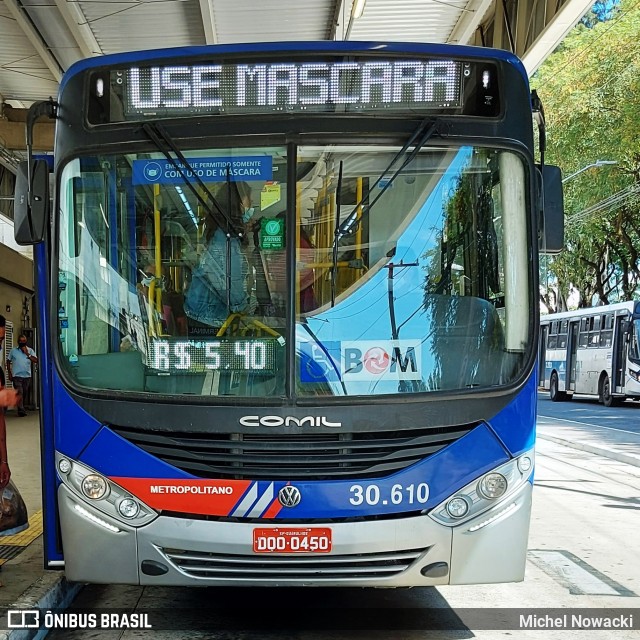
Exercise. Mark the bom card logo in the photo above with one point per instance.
(361, 361)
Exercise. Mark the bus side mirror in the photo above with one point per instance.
(31, 202)
(552, 215)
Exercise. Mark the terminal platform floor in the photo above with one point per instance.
(21, 554)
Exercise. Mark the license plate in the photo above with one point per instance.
(284, 540)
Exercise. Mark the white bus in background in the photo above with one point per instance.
(593, 352)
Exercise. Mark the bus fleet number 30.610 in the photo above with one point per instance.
(372, 495)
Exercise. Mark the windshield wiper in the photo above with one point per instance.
(422, 134)
(165, 144)
(418, 138)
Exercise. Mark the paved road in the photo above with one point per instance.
(584, 552)
(623, 417)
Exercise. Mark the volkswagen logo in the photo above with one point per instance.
(289, 496)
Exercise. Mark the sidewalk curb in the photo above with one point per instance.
(51, 591)
(601, 451)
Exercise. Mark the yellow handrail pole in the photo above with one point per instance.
(266, 329)
(152, 323)
(297, 249)
(323, 228)
(227, 324)
(240, 319)
(325, 265)
(200, 216)
(158, 241)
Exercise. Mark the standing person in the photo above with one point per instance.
(7, 399)
(19, 370)
(207, 300)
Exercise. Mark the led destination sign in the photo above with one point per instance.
(181, 355)
(365, 85)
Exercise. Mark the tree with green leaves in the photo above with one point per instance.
(590, 88)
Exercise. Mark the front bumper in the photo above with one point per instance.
(379, 553)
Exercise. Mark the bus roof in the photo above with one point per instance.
(591, 311)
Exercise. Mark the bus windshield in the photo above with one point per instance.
(173, 280)
(634, 341)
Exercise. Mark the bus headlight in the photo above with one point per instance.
(491, 489)
(64, 466)
(524, 464)
(94, 486)
(493, 485)
(128, 508)
(457, 507)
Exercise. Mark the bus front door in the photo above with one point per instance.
(542, 356)
(619, 355)
(572, 355)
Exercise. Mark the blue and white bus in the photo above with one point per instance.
(593, 352)
(289, 312)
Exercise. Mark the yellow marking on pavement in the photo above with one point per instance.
(26, 537)
(14, 545)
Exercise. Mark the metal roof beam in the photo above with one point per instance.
(34, 37)
(557, 26)
(337, 28)
(79, 27)
(539, 27)
(498, 26)
(524, 13)
(469, 21)
(209, 21)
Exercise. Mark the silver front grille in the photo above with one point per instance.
(293, 567)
